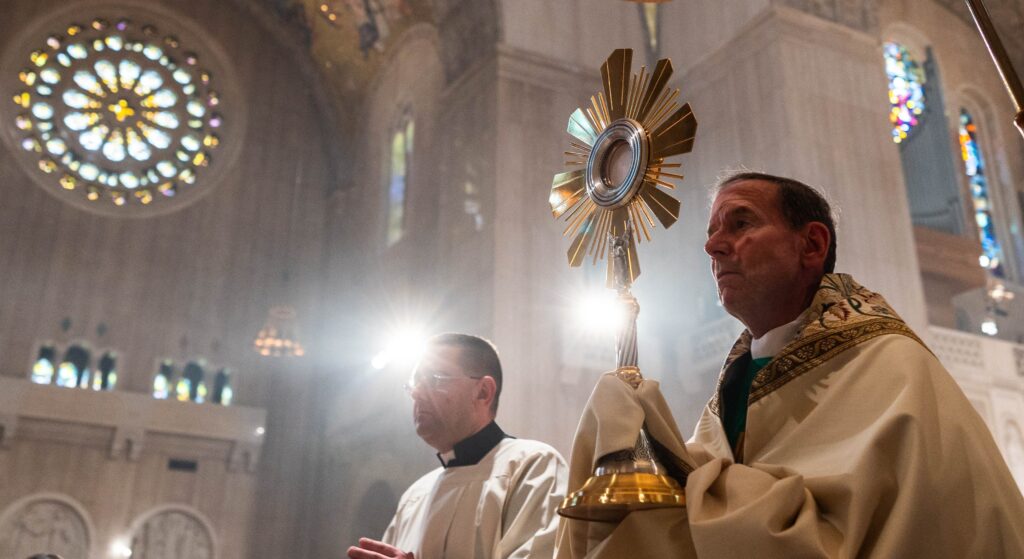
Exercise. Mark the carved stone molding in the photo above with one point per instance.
(133, 417)
(173, 534)
(127, 443)
(44, 525)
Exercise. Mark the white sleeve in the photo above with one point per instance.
(530, 516)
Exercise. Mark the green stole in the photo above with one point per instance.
(735, 393)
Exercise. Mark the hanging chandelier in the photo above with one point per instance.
(279, 335)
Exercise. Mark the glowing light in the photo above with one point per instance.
(120, 548)
(599, 311)
(403, 348)
(999, 293)
(380, 360)
(260, 431)
(989, 327)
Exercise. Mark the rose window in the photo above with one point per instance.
(118, 114)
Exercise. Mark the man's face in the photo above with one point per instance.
(755, 254)
(444, 398)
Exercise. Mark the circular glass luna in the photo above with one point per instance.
(617, 164)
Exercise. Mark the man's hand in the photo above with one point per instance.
(373, 549)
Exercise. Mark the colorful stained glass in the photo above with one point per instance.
(162, 381)
(67, 375)
(974, 164)
(398, 180)
(110, 106)
(183, 391)
(42, 369)
(906, 90)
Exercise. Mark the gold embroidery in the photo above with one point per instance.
(843, 315)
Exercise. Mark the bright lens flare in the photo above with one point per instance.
(120, 549)
(599, 312)
(403, 348)
(989, 327)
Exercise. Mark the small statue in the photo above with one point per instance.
(619, 261)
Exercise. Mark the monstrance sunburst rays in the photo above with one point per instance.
(622, 140)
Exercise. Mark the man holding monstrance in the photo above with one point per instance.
(833, 432)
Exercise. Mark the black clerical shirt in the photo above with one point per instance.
(473, 448)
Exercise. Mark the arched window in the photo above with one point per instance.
(906, 90)
(974, 165)
(401, 143)
(105, 376)
(73, 370)
(921, 130)
(222, 392)
(191, 386)
(43, 368)
(164, 380)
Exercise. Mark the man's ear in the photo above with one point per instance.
(487, 390)
(816, 242)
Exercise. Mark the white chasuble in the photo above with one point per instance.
(858, 443)
(505, 506)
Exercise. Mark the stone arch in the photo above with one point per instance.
(166, 531)
(46, 523)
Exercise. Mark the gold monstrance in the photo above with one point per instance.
(622, 139)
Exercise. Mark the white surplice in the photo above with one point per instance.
(505, 506)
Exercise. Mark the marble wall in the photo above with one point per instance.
(196, 282)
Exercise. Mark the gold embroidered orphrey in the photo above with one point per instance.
(842, 315)
(622, 141)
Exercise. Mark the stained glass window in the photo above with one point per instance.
(906, 90)
(117, 112)
(43, 368)
(183, 390)
(222, 392)
(974, 163)
(398, 179)
(192, 386)
(73, 370)
(162, 382)
(105, 376)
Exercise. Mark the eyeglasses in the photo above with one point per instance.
(434, 381)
